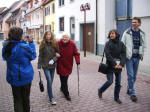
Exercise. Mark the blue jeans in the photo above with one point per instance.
(49, 74)
(132, 68)
(110, 81)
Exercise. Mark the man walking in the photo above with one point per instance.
(134, 40)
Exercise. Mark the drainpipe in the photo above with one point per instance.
(96, 25)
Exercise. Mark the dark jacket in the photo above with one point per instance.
(18, 56)
(115, 50)
(65, 62)
(46, 54)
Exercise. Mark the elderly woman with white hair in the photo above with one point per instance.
(68, 50)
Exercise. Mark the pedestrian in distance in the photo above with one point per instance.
(47, 60)
(18, 56)
(68, 51)
(134, 40)
(115, 53)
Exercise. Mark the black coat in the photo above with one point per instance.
(115, 49)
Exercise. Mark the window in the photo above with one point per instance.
(61, 24)
(47, 11)
(53, 8)
(48, 28)
(61, 2)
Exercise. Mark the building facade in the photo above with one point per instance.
(70, 20)
(34, 19)
(49, 15)
(4, 23)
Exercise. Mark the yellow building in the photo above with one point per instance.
(49, 15)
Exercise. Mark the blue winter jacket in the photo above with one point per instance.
(19, 68)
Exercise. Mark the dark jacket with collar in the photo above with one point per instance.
(46, 54)
(115, 50)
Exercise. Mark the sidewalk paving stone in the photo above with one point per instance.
(87, 101)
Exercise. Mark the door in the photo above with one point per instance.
(90, 37)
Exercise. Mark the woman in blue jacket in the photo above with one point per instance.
(18, 56)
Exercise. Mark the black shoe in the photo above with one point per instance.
(133, 98)
(128, 92)
(68, 98)
(118, 101)
(99, 94)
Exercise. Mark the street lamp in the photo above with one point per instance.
(84, 7)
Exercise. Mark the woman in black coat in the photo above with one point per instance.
(115, 58)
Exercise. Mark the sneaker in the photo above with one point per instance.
(133, 98)
(99, 94)
(128, 92)
(68, 98)
(118, 101)
(53, 102)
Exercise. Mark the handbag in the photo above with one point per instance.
(41, 86)
(103, 68)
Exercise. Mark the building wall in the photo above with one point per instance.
(5, 25)
(141, 9)
(72, 9)
(37, 17)
(50, 19)
(106, 21)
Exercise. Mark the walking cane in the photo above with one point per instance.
(78, 78)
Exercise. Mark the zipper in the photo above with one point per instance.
(11, 78)
(19, 73)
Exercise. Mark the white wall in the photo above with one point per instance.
(145, 26)
(72, 9)
(141, 8)
(106, 19)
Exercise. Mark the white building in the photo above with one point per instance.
(69, 19)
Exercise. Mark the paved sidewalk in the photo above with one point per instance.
(88, 101)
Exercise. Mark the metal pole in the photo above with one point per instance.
(78, 79)
(85, 33)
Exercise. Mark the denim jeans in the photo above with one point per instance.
(132, 68)
(110, 81)
(49, 74)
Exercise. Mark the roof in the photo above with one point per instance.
(3, 13)
(13, 15)
(2, 8)
(46, 2)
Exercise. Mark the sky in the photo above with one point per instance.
(6, 3)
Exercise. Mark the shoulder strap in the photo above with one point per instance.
(102, 57)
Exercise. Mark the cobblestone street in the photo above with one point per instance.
(88, 101)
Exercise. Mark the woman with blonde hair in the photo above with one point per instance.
(48, 54)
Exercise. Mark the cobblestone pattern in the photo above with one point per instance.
(88, 101)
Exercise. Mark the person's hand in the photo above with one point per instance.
(51, 62)
(78, 64)
(57, 55)
(39, 70)
(25, 39)
(120, 67)
(116, 66)
(141, 57)
(30, 39)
